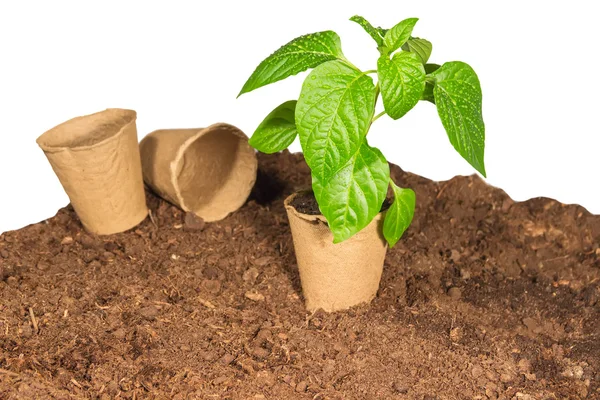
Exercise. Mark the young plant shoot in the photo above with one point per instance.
(336, 108)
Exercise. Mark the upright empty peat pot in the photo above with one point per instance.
(97, 160)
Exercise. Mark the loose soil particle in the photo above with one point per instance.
(483, 298)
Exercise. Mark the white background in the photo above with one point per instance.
(181, 64)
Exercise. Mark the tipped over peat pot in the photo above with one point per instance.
(208, 171)
(336, 276)
(97, 160)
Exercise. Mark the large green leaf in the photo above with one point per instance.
(428, 92)
(333, 116)
(402, 80)
(420, 47)
(373, 32)
(300, 54)
(353, 196)
(277, 131)
(458, 99)
(399, 215)
(399, 34)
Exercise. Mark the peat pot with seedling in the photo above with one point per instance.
(341, 229)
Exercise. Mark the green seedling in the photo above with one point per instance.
(336, 108)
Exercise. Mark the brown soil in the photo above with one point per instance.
(482, 298)
(306, 203)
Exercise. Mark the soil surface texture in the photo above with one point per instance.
(483, 298)
(306, 203)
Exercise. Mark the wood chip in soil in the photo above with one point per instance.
(483, 298)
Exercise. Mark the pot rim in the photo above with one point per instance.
(313, 218)
(131, 115)
(179, 156)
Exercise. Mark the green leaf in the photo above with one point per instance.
(382, 31)
(458, 99)
(373, 32)
(420, 47)
(399, 215)
(428, 92)
(300, 54)
(353, 196)
(333, 115)
(277, 131)
(402, 80)
(399, 34)
(430, 68)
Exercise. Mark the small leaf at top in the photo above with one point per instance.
(353, 196)
(428, 92)
(399, 215)
(420, 47)
(399, 34)
(402, 80)
(333, 115)
(373, 32)
(277, 131)
(458, 99)
(382, 31)
(300, 54)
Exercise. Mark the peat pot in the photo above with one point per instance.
(336, 276)
(208, 171)
(97, 160)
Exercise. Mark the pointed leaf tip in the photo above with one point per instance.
(399, 34)
(400, 214)
(300, 54)
(366, 25)
(458, 100)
